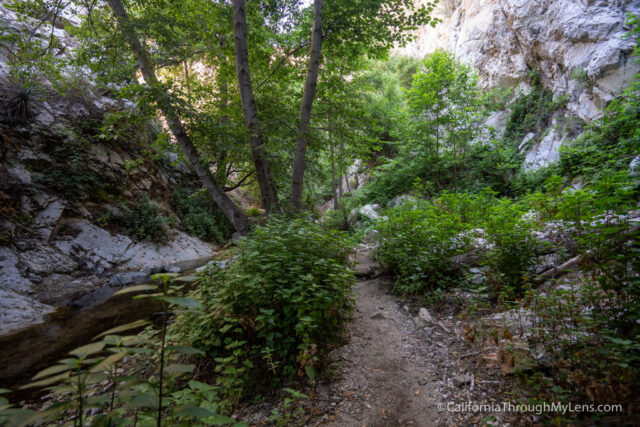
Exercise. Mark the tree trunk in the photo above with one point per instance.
(297, 175)
(230, 210)
(343, 174)
(334, 184)
(186, 78)
(258, 151)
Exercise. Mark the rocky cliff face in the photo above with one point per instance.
(578, 47)
(61, 183)
(56, 246)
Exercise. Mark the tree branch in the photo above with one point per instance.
(226, 189)
(279, 64)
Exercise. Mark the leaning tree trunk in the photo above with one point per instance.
(297, 175)
(258, 151)
(230, 210)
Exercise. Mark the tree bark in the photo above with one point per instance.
(258, 151)
(230, 210)
(297, 175)
(343, 174)
(334, 184)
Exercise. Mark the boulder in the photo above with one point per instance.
(546, 262)
(179, 247)
(129, 278)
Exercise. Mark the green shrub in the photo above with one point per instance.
(277, 309)
(19, 102)
(513, 248)
(531, 112)
(337, 219)
(253, 211)
(609, 144)
(142, 220)
(200, 216)
(417, 241)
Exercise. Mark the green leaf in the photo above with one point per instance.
(48, 381)
(108, 361)
(137, 288)
(133, 325)
(164, 276)
(144, 400)
(311, 372)
(17, 416)
(183, 349)
(56, 369)
(179, 369)
(88, 349)
(193, 411)
(188, 278)
(220, 420)
(182, 301)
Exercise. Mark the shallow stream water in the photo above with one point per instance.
(27, 351)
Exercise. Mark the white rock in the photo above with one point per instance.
(528, 137)
(21, 174)
(45, 260)
(47, 219)
(424, 319)
(546, 151)
(634, 167)
(94, 243)
(10, 277)
(180, 247)
(370, 211)
(18, 311)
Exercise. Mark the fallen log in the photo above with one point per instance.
(569, 265)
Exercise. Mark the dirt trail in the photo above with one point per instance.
(389, 371)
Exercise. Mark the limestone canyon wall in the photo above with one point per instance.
(578, 47)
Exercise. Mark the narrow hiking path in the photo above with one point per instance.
(397, 370)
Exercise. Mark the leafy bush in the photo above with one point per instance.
(417, 241)
(337, 219)
(609, 144)
(200, 216)
(142, 220)
(513, 248)
(531, 112)
(276, 310)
